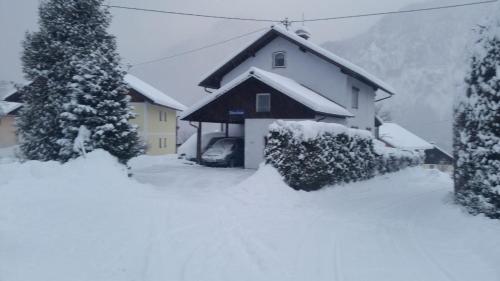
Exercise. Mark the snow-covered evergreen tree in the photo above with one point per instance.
(81, 86)
(477, 128)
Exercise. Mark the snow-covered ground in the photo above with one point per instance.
(174, 221)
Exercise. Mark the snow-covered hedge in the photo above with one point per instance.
(310, 155)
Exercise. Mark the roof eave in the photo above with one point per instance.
(212, 80)
(333, 115)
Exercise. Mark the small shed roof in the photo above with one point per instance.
(13, 96)
(8, 108)
(152, 93)
(212, 80)
(397, 136)
(282, 84)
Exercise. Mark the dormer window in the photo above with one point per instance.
(279, 59)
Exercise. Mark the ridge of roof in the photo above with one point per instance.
(320, 51)
(152, 93)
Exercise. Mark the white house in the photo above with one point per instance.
(283, 75)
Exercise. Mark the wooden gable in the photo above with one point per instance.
(239, 103)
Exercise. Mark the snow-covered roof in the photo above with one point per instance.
(442, 150)
(343, 63)
(7, 108)
(397, 136)
(157, 96)
(285, 85)
(9, 93)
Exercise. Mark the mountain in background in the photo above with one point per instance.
(424, 56)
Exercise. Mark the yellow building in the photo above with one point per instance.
(156, 117)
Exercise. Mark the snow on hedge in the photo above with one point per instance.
(307, 130)
(310, 155)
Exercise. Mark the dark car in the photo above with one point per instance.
(225, 152)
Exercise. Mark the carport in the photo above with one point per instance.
(239, 102)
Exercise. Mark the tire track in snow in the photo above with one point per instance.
(403, 206)
(421, 249)
(333, 255)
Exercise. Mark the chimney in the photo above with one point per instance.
(303, 32)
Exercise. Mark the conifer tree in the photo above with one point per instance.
(82, 90)
(477, 128)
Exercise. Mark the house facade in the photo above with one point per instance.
(156, 117)
(283, 75)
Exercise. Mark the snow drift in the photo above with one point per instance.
(81, 220)
(86, 220)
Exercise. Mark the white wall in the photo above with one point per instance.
(364, 115)
(315, 73)
(255, 132)
(303, 67)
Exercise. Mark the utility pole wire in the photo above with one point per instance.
(286, 21)
(398, 12)
(190, 14)
(200, 48)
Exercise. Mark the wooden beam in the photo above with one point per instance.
(198, 144)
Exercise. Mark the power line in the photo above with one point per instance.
(285, 22)
(305, 20)
(191, 14)
(398, 12)
(200, 48)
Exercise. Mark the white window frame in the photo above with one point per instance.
(162, 142)
(284, 59)
(163, 116)
(257, 102)
(355, 97)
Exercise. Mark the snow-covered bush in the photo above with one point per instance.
(310, 155)
(477, 128)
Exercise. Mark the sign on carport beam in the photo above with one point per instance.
(237, 112)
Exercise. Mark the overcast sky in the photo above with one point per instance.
(145, 36)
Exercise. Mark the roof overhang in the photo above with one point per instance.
(316, 102)
(13, 96)
(213, 80)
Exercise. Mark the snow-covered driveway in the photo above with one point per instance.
(87, 221)
(395, 227)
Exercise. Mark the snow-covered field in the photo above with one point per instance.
(87, 221)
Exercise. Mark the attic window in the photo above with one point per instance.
(263, 103)
(279, 59)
